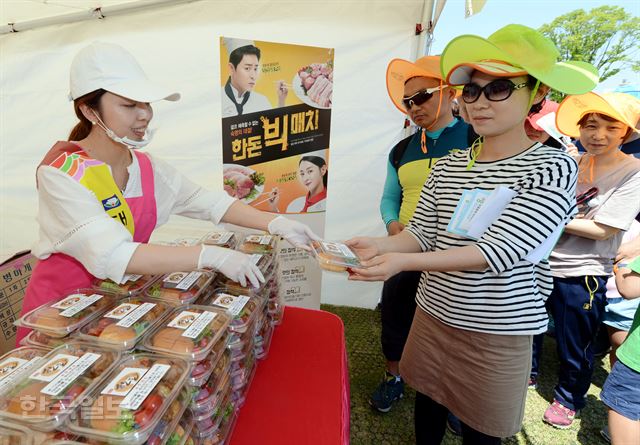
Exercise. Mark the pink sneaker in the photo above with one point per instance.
(558, 415)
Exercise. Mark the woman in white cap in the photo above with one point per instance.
(481, 297)
(100, 198)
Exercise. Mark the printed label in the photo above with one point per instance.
(53, 368)
(131, 277)
(124, 382)
(69, 301)
(199, 325)
(69, 375)
(181, 280)
(184, 320)
(136, 315)
(219, 237)
(232, 303)
(10, 375)
(121, 311)
(145, 385)
(259, 239)
(338, 249)
(80, 305)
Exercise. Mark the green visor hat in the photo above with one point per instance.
(515, 50)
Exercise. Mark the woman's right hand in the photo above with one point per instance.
(233, 264)
(364, 246)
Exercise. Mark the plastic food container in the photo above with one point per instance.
(333, 256)
(129, 403)
(62, 317)
(225, 428)
(14, 434)
(181, 433)
(14, 364)
(134, 285)
(223, 385)
(203, 369)
(211, 424)
(43, 398)
(189, 332)
(42, 340)
(220, 239)
(169, 421)
(275, 312)
(261, 348)
(204, 399)
(124, 322)
(178, 288)
(258, 244)
(267, 265)
(243, 308)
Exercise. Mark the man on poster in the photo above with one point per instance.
(238, 97)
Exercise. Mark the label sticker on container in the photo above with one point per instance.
(339, 249)
(69, 301)
(14, 368)
(199, 325)
(80, 305)
(219, 237)
(259, 239)
(53, 368)
(131, 277)
(181, 280)
(121, 311)
(145, 385)
(69, 375)
(125, 381)
(232, 303)
(183, 320)
(136, 315)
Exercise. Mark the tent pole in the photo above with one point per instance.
(92, 13)
(425, 34)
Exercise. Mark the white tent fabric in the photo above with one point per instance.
(178, 46)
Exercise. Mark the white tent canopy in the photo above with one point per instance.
(177, 44)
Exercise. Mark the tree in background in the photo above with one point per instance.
(607, 37)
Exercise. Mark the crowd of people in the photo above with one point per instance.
(464, 310)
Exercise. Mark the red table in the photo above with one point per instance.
(300, 393)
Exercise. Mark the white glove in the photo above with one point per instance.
(235, 265)
(298, 234)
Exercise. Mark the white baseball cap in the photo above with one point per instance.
(111, 67)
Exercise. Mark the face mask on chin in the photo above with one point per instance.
(129, 143)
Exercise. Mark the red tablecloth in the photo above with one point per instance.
(300, 393)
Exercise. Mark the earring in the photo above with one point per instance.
(93, 122)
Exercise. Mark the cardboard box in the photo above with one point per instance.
(14, 276)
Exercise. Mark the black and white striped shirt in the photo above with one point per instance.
(508, 297)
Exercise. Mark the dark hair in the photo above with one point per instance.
(83, 128)
(237, 54)
(583, 121)
(318, 162)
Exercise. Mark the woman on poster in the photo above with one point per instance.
(312, 174)
(100, 198)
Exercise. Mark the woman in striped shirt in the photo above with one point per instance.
(480, 301)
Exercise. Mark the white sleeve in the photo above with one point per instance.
(175, 194)
(73, 221)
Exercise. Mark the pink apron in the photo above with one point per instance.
(61, 274)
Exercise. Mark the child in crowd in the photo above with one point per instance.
(608, 197)
(481, 301)
(621, 390)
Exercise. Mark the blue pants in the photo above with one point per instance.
(576, 320)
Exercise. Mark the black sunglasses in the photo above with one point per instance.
(495, 91)
(420, 97)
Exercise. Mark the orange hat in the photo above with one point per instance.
(400, 70)
(620, 106)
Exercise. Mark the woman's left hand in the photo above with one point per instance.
(379, 268)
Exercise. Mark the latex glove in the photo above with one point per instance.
(298, 234)
(233, 264)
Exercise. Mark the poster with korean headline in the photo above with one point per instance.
(276, 120)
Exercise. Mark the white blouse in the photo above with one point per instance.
(73, 221)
